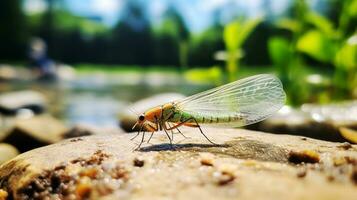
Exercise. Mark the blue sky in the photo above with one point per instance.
(197, 13)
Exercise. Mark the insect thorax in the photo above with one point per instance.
(171, 113)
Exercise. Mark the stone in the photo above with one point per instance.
(129, 116)
(86, 130)
(7, 73)
(78, 131)
(34, 132)
(242, 165)
(316, 121)
(12, 102)
(349, 134)
(7, 152)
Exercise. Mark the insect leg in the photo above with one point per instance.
(168, 135)
(142, 140)
(199, 127)
(180, 124)
(135, 136)
(165, 129)
(161, 123)
(180, 132)
(141, 128)
(150, 136)
(172, 132)
(177, 130)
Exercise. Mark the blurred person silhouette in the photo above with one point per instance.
(42, 66)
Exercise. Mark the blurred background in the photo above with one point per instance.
(86, 62)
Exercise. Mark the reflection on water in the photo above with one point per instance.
(97, 99)
(90, 108)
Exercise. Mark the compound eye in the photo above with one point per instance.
(141, 117)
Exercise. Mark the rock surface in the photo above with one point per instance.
(34, 132)
(7, 152)
(245, 165)
(12, 102)
(317, 121)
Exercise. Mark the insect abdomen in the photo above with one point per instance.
(214, 120)
(180, 116)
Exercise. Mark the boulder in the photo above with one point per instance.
(86, 130)
(317, 121)
(7, 152)
(7, 73)
(242, 165)
(34, 132)
(129, 116)
(12, 102)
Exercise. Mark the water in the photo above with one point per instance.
(98, 98)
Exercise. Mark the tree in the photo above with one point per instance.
(132, 39)
(13, 33)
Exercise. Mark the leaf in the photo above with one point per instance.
(247, 28)
(279, 50)
(346, 57)
(322, 23)
(236, 33)
(230, 35)
(315, 44)
(289, 24)
(352, 7)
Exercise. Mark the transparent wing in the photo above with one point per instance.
(246, 101)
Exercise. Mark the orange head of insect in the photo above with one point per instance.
(140, 121)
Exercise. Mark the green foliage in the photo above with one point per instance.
(174, 33)
(346, 65)
(234, 35)
(321, 23)
(237, 32)
(204, 45)
(279, 50)
(67, 22)
(346, 56)
(289, 24)
(317, 37)
(316, 44)
(201, 75)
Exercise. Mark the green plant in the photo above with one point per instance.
(315, 36)
(234, 36)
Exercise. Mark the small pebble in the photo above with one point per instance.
(138, 162)
(339, 161)
(3, 194)
(89, 172)
(83, 190)
(330, 178)
(226, 174)
(207, 159)
(301, 173)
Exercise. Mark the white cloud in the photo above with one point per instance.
(106, 6)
